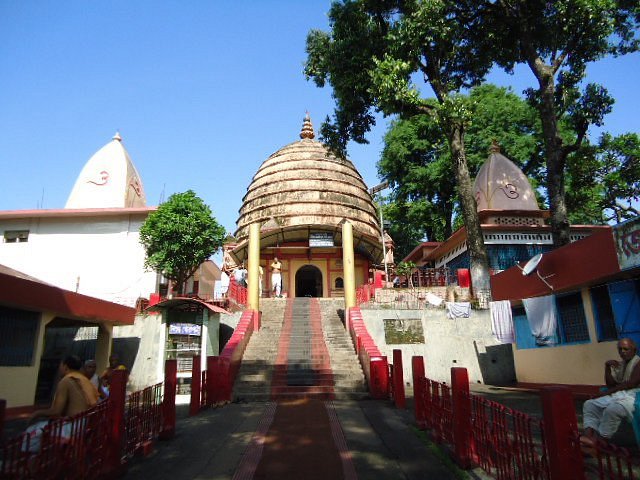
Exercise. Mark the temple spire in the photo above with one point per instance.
(307, 128)
(495, 146)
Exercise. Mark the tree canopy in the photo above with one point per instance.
(416, 161)
(557, 40)
(370, 58)
(180, 235)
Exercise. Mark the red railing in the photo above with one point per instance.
(143, 419)
(70, 447)
(236, 292)
(365, 293)
(97, 442)
(508, 444)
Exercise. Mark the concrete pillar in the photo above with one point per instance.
(253, 267)
(103, 346)
(348, 264)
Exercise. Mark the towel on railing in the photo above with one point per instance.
(433, 299)
(458, 309)
(502, 321)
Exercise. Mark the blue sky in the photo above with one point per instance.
(201, 92)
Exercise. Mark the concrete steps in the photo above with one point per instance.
(311, 357)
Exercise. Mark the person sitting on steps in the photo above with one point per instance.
(602, 415)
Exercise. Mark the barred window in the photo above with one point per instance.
(605, 321)
(18, 330)
(572, 322)
(16, 236)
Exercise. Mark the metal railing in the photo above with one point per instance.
(509, 444)
(143, 418)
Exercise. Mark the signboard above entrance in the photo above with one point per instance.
(321, 239)
(185, 329)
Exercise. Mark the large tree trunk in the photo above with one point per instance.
(475, 241)
(555, 158)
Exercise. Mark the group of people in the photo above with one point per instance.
(241, 278)
(79, 389)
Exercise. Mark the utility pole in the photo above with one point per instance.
(374, 190)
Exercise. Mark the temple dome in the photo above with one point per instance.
(303, 184)
(108, 180)
(501, 185)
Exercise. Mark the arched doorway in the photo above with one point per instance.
(309, 282)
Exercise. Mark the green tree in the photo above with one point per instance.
(374, 51)
(557, 40)
(179, 236)
(406, 269)
(603, 184)
(416, 161)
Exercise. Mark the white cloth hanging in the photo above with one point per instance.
(502, 321)
(458, 309)
(541, 315)
(433, 299)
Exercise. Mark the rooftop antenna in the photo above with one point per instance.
(533, 266)
(162, 194)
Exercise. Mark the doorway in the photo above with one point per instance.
(309, 282)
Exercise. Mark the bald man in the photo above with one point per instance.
(602, 415)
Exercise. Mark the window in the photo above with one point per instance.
(572, 323)
(16, 236)
(605, 321)
(339, 282)
(571, 327)
(18, 330)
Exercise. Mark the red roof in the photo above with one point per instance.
(75, 212)
(582, 263)
(21, 291)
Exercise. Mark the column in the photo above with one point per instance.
(348, 264)
(254, 263)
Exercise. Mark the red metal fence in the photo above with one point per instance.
(97, 442)
(506, 443)
(236, 292)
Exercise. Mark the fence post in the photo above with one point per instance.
(461, 416)
(399, 399)
(561, 432)
(212, 371)
(379, 378)
(117, 392)
(196, 380)
(169, 400)
(3, 413)
(417, 370)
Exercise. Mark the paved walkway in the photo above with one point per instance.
(379, 443)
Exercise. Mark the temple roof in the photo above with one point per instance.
(303, 184)
(501, 185)
(108, 179)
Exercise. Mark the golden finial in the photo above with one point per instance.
(307, 128)
(495, 147)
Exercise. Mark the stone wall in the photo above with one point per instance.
(460, 342)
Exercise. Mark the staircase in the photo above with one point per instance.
(301, 350)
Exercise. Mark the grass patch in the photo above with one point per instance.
(437, 452)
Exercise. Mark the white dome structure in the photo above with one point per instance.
(108, 180)
(501, 185)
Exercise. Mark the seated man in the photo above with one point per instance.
(74, 394)
(602, 415)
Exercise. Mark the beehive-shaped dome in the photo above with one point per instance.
(303, 184)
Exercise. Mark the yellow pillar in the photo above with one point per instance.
(348, 264)
(254, 264)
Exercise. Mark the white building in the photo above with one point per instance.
(92, 245)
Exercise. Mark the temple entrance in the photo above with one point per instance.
(309, 282)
